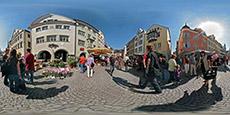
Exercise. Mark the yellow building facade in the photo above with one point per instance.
(159, 37)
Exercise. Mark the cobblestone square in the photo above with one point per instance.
(106, 94)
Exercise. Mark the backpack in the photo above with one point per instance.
(153, 63)
(4, 69)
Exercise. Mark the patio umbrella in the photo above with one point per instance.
(100, 50)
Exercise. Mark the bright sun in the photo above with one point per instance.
(211, 27)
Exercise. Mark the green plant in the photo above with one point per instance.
(57, 63)
(72, 61)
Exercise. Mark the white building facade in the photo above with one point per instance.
(55, 36)
(20, 40)
(140, 42)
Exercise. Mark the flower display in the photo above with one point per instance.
(54, 72)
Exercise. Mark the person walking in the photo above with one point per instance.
(186, 65)
(90, 65)
(172, 68)
(82, 62)
(192, 61)
(151, 63)
(29, 60)
(4, 69)
(112, 64)
(14, 74)
(204, 63)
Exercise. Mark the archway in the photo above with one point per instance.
(61, 54)
(44, 55)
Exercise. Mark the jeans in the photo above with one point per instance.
(172, 76)
(193, 69)
(82, 67)
(151, 78)
(30, 75)
(112, 69)
(14, 82)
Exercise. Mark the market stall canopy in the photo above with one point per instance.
(100, 50)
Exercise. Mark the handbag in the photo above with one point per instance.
(211, 73)
(92, 65)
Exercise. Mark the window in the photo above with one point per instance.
(140, 36)
(81, 43)
(29, 44)
(51, 38)
(82, 33)
(136, 50)
(140, 49)
(39, 40)
(155, 46)
(186, 35)
(45, 28)
(20, 45)
(20, 36)
(28, 35)
(64, 38)
(159, 45)
(58, 26)
(66, 27)
(89, 36)
(136, 44)
(51, 27)
(38, 29)
(140, 42)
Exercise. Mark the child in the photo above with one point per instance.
(178, 73)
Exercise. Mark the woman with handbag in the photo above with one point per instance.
(14, 71)
(204, 63)
(90, 65)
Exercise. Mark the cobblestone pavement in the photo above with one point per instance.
(107, 94)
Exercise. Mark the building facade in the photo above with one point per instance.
(140, 42)
(20, 40)
(192, 40)
(159, 37)
(130, 48)
(58, 37)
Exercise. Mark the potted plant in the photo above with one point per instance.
(72, 62)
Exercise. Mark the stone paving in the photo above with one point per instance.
(107, 94)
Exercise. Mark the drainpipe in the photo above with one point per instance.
(75, 39)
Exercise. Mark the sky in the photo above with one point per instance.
(119, 20)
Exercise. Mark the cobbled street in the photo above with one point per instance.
(106, 94)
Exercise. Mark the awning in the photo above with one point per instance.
(100, 51)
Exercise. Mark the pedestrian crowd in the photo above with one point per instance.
(17, 70)
(157, 70)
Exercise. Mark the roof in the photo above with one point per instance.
(64, 18)
(185, 26)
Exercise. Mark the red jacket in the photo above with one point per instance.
(29, 58)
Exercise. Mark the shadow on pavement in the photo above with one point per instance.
(38, 77)
(223, 68)
(163, 83)
(130, 86)
(40, 93)
(196, 101)
(44, 82)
